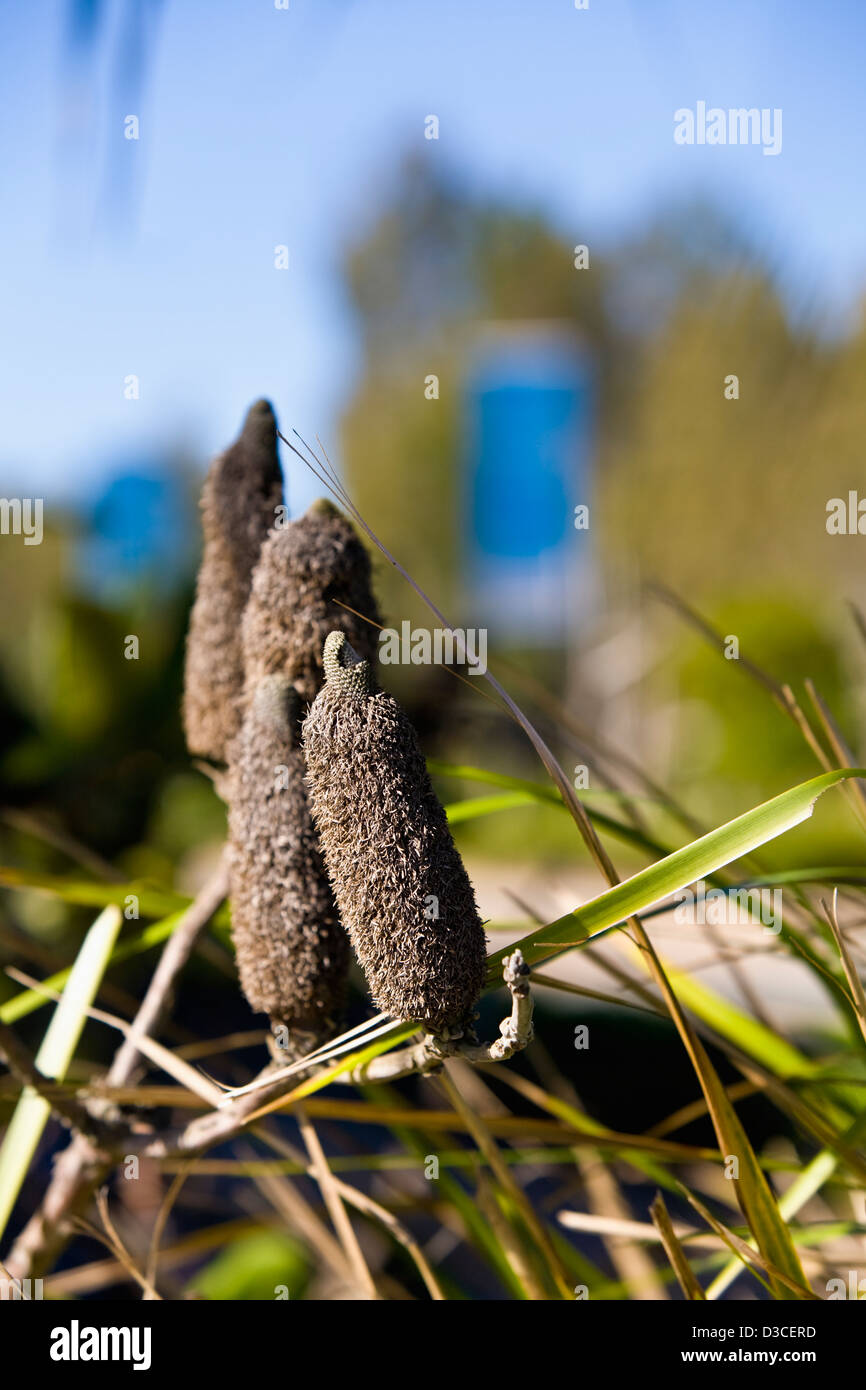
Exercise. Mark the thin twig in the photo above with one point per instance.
(83, 1166)
(333, 1201)
(858, 998)
(178, 949)
(162, 1215)
(111, 1240)
(66, 1108)
(365, 1204)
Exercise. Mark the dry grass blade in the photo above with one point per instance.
(161, 1056)
(64, 1103)
(27, 823)
(674, 1251)
(696, 1108)
(330, 1191)
(512, 1127)
(365, 1204)
(507, 1236)
(379, 1026)
(559, 712)
(786, 699)
(632, 1230)
(717, 640)
(841, 751)
(604, 1193)
(111, 1240)
(230, 1042)
(566, 987)
(781, 693)
(483, 1138)
(858, 998)
(300, 1217)
(749, 1257)
(162, 1216)
(177, 951)
(12, 1283)
(753, 1191)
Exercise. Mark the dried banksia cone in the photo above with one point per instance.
(241, 493)
(292, 952)
(305, 572)
(400, 884)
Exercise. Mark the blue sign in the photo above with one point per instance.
(139, 531)
(529, 442)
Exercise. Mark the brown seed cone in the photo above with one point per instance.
(292, 953)
(241, 493)
(389, 852)
(303, 570)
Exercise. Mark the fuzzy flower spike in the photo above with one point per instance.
(310, 575)
(239, 500)
(292, 953)
(399, 883)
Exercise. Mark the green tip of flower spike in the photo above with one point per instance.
(344, 669)
(276, 701)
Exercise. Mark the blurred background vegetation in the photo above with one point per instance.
(723, 502)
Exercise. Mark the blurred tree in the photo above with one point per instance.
(717, 488)
(439, 265)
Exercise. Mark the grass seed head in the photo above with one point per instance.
(399, 882)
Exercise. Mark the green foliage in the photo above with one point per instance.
(255, 1267)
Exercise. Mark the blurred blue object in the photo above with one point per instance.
(140, 533)
(529, 442)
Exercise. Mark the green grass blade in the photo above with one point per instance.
(151, 899)
(703, 856)
(475, 806)
(549, 796)
(29, 1000)
(54, 1055)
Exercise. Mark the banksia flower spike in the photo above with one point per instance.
(306, 570)
(239, 501)
(292, 952)
(399, 882)
(293, 955)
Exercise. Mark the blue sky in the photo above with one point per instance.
(261, 127)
